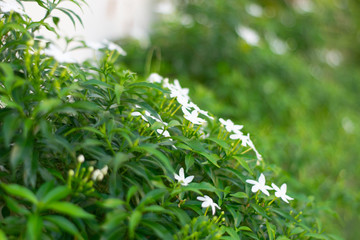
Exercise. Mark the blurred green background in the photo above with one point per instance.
(287, 70)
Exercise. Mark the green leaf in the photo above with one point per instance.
(189, 161)
(316, 236)
(243, 163)
(213, 158)
(69, 209)
(152, 196)
(2, 235)
(34, 227)
(240, 195)
(271, 229)
(148, 85)
(64, 224)
(282, 238)
(159, 155)
(259, 209)
(118, 91)
(219, 142)
(19, 191)
(56, 194)
(161, 231)
(134, 222)
(46, 106)
(112, 203)
(232, 233)
(132, 190)
(56, 20)
(245, 228)
(15, 207)
(173, 123)
(297, 230)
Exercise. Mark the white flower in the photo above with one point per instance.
(181, 178)
(11, 5)
(239, 135)
(154, 78)
(193, 116)
(176, 90)
(163, 132)
(94, 45)
(104, 170)
(207, 202)
(281, 192)
(59, 56)
(183, 101)
(136, 114)
(259, 185)
(2, 104)
(70, 98)
(97, 175)
(112, 46)
(230, 126)
(249, 35)
(81, 158)
(252, 146)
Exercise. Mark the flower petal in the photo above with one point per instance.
(251, 181)
(262, 179)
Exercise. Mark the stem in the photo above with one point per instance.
(175, 111)
(272, 201)
(206, 211)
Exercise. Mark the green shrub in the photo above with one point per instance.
(89, 151)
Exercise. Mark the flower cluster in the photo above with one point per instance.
(191, 111)
(207, 201)
(260, 186)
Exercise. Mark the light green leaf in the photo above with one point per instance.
(2, 235)
(112, 203)
(134, 221)
(34, 227)
(271, 229)
(240, 195)
(19, 191)
(56, 194)
(189, 161)
(70, 209)
(64, 224)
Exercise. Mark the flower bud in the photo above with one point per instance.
(81, 158)
(104, 170)
(71, 172)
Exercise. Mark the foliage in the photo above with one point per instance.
(90, 151)
(296, 88)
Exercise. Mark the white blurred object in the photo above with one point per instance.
(248, 34)
(106, 19)
(254, 10)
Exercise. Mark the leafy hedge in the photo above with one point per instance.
(90, 151)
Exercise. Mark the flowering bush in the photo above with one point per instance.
(90, 151)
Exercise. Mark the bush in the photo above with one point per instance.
(91, 151)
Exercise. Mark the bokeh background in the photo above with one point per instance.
(288, 70)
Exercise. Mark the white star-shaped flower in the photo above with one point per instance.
(176, 90)
(112, 46)
(259, 185)
(60, 56)
(181, 178)
(208, 202)
(281, 192)
(193, 116)
(239, 135)
(230, 126)
(163, 132)
(154, 78)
